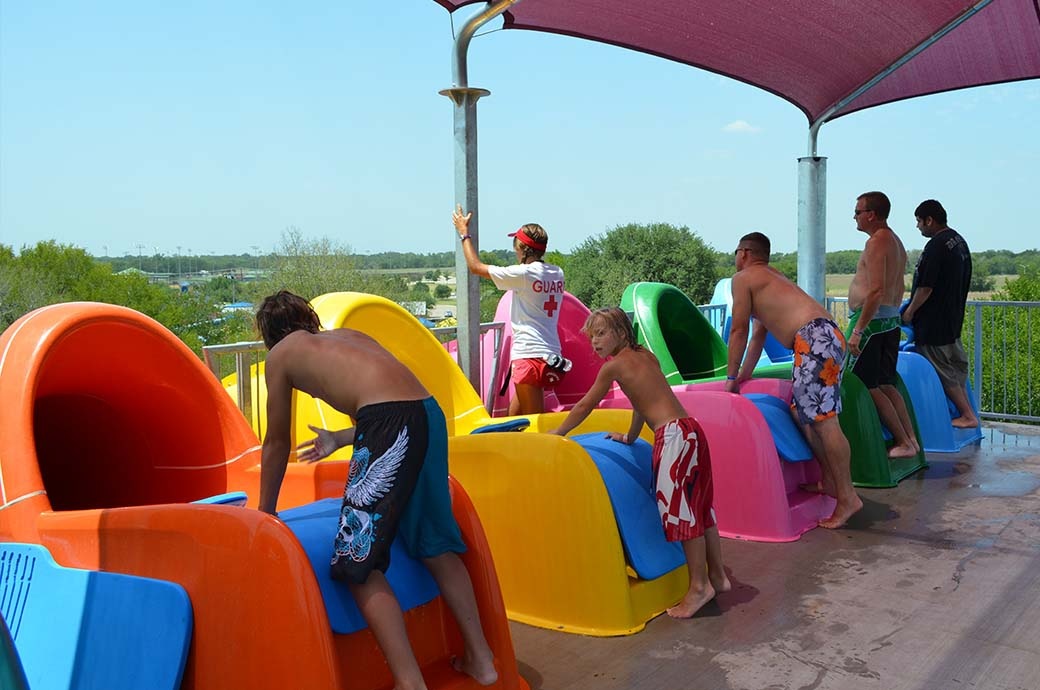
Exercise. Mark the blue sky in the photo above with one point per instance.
(212, 127)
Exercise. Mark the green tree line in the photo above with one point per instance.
(49, 273)
(597, 272)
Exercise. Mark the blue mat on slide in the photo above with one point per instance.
(626, 472)
(510, 425)
(78, 629)
(315, 525)
(231, 498)
(790, 443)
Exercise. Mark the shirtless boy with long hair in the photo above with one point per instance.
(681, 460)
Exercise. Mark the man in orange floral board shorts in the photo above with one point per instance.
(780, 307)
(819, 348)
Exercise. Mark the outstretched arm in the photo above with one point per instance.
(754, 351)
(633, 430)
(469, 249)
(325, 443)
(738, 330)
(584, 407)
(275, 454)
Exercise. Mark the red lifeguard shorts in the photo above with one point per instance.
(682, 472)
(535, 372)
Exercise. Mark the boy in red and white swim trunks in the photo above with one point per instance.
(681, 461)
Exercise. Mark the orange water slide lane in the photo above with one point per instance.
(112, 426)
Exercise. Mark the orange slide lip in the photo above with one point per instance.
(112, 426)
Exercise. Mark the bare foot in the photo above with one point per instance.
(692, 603)
(484, 674)
(962, 423)
(903, 451)
(842, 513)
(720, 583)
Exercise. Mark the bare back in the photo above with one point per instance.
(345, 368)
(639, 375)
(762, 292)
(881, 267)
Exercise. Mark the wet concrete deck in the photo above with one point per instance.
(935, 585)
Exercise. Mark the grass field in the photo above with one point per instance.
(838, 285)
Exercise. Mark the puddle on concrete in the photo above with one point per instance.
(1011, 436)
(993, 481)
(1006, 463)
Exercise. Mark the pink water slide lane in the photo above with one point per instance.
(756, 493)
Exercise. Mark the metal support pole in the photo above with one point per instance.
(978, 358)
(245, 388)
(812, 184)
(812, 226)
(467, 286)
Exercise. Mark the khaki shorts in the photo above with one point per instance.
(950, 362)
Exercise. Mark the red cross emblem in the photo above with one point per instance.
(550, 305)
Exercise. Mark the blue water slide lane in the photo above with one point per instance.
(790, 443)
(315, 525)
(626, 472)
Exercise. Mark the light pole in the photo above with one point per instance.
(178, 261)
(256, 251)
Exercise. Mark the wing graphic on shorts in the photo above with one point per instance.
(378, 477)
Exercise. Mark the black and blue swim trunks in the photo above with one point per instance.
(397, 484)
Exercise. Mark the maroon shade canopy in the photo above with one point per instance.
(815, 53)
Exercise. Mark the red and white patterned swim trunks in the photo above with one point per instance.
(682, 471)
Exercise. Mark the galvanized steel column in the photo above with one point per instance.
(812, 226)
(467, 286)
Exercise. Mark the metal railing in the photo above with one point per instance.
(245, 358)
(497, 328)
(716, 315)
(1002, 341)
(1003, 344)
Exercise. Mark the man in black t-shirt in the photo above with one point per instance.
(936, 309)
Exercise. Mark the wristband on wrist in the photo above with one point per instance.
(857, 331)
(730, 378)
(463, 238)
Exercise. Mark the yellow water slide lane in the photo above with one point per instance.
(549, 521)
(413, 344)
(400, 333)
